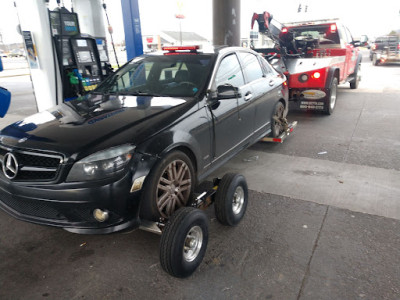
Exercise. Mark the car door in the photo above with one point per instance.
(351, 54)
(263, 83)
(233, 118)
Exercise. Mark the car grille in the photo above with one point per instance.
(34, 166)
(32, 207)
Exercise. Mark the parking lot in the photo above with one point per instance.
(322, 219)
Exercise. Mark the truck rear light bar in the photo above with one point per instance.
(181, 48)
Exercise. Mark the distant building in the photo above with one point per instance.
(172, 38)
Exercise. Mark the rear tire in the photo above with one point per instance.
(357, 78)
(276, 127)
(330, 101)
(184, 242)
(231, 199)
(375, 60)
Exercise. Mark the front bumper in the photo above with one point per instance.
(71, 206)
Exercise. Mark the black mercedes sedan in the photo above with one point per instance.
(136, 147)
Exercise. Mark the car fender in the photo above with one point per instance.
(332, 72)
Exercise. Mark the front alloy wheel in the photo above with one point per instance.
(169, 186)
(173, 188)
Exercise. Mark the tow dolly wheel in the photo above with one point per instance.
(184, 242)
(231, 199)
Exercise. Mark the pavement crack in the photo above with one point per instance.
(307, 273)
(346, 154)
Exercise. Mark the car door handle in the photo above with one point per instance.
(248, 96)
(271, 82)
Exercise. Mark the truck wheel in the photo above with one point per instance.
(184, 242)
(170, 185)
(231, 199)
(375, 60)
(330, 102)
(277, 127)
(357, 77)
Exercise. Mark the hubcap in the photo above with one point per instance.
(173, 188)
(193, 243)
(238, 200)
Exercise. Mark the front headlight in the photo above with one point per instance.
(101, 164)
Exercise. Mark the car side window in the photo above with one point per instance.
(266, 67)
(229, 72)
(349, 36)
(252, 67)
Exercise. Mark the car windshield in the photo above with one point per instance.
(168, 75)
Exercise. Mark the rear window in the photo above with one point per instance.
(322, 33)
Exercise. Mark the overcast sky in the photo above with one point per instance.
(362, 17)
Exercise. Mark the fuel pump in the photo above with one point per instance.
(5, 97)
(83, 60)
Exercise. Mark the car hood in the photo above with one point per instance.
(93, 120)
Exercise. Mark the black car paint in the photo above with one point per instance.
(210, 131)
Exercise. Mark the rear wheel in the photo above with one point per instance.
(277, 126)
(184, 242)
(330, 101)
(357, 77)
(375, 60)
(170, 186)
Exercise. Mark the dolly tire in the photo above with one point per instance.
(231, 199)
(184, 242)
(330, 101)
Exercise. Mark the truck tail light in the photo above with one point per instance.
(316, 75)
(333, 27)
(374, 46)
(284, 30)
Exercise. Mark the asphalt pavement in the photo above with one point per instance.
(323, 219)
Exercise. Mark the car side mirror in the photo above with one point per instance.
(356, 43)
(227, 91)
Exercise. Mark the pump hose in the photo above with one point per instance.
(110, 32)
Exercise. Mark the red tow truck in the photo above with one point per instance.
(315, 56)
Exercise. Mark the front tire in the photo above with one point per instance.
(231, 199)
(330, 102)
(184, 242)
(170, 185)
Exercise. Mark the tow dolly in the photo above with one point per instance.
(288, 129)
(184, 236)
